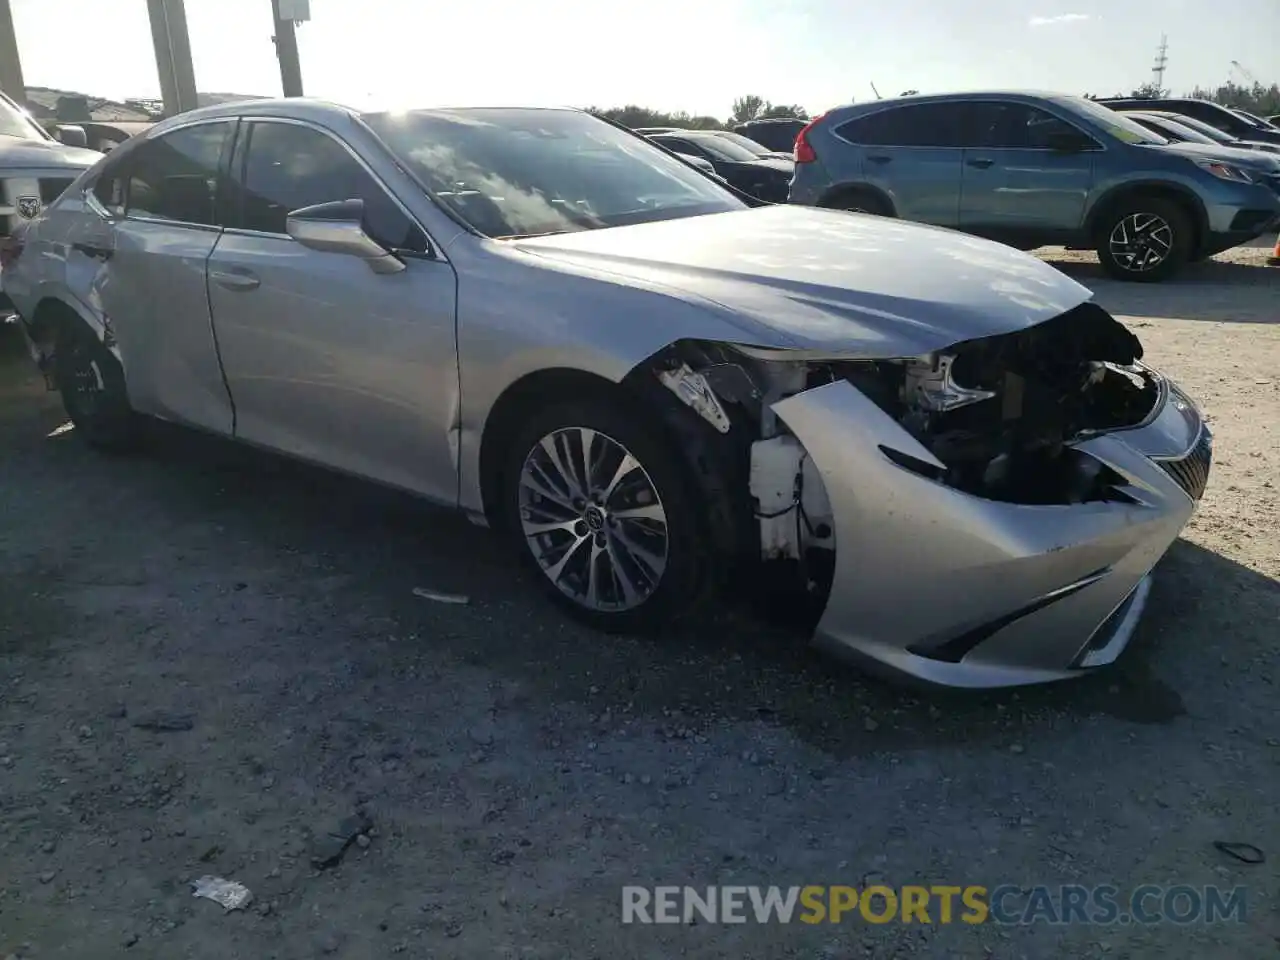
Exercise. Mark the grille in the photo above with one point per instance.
(1191, 472)
(51, 188)
(48, 189)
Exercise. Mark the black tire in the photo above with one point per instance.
(685, 579)
(91, 382)
(861, 201)
(1151, 225)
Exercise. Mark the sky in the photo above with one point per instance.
(695, 55)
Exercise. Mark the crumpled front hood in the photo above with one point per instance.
(827, 280)
(44, 154)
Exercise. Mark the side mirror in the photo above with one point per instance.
(338, 227)
(72, 135)
(1067, 142)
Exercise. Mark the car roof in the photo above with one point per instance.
(872, 106)
(311, 108)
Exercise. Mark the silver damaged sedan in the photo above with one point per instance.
(647, 382)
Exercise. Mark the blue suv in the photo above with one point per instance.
(1033, 170)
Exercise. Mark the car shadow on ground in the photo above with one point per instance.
(368, 548)
(726, 664)
(1214, 291)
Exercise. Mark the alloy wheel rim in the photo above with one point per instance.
(593, 519)
(1141, 242)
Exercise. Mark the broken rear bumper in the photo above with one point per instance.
(955, 590)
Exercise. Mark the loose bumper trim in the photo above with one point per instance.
(919, 563)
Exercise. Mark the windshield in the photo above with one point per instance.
(1208, 129)
(1250, 119)
(15, 123)
(1116, 124)
(1173, 128)
(510, 173)
(746, 143)
(723, 149)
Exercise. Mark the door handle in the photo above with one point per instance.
(235, 279)
(879, 158)
(981, 163)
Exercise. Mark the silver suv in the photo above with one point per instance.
(1034, 170)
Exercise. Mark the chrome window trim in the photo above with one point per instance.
(435, 253)
(155, 138)
(1098, 148)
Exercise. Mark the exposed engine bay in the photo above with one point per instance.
(1000, 414)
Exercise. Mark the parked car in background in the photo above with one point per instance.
(1228, 121)
(704, 165)
(746, 143)
(1181, 129)
(1255, 119)
(1033, 170)
(1171, 128)
(1210, 132)
(536, 318)
(105, 136)
(646, 131)
(778, 134)
(34, 169)
(761, 177)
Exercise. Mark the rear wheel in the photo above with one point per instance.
(1145, 240)
(599, 505)
(91, 382)
(861, 201)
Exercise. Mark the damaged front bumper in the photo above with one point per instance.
(952, 589)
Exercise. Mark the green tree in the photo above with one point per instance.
(1257, 99)
(752, 107)
(1149, 91)
(748, 108)
(636, 116)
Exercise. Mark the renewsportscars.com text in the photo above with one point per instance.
(936, 904)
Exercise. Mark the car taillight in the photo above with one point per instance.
(10, 250)
(803, 152)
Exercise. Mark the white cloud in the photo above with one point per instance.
(1059, 19)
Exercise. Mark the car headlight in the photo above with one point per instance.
(1224, 171)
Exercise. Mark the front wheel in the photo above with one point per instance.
(92, 385)
(1145, 240)
(600, 506)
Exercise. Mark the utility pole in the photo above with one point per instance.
(287, 50)
(11, 81)
(173, 55)
(1158, 68)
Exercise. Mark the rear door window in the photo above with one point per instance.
(918, 125)
(173, 177)
(288, 166)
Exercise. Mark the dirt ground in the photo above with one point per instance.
(519, 770)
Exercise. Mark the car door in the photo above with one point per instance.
(325, 359)
(144, 260)
(1026, 171)
(911, 153)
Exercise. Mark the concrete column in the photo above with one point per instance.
(287, 53)
(173, 55)
(11, 81)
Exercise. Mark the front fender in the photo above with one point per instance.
(520, 314)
